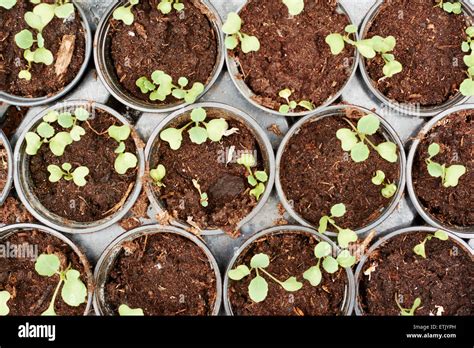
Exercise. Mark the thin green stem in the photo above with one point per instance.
(272, 277)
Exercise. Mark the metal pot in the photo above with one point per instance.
(228, 112)
(106, 70)
(108, 257)
(339, 110)
(29, 102)
(6, 190)
(348, 303)
(24, 187)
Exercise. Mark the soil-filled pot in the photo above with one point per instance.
(158, 271)
(293, 67)
(209, 185)
(440, 171)
(159, 62)
(429, 47)
(338, 156)
(42, 273)
(78, 166)
(289, 252)
(41, 63)
(416, 271)
(6, 167)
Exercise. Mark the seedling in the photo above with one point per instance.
(450, 7)
(323, 251)
(369, 48)
(355, 140)
(232, 28)
(389, 188)
(7, 4)
(45, 132)
(256, 179)
(292, 105)
(408, 312)
(165, 6)
(449, 175)
(420, 250)
(258, 287)
(204, 198)
(73, 293)
(295, 7)
(213, 130)
(467, 86)
(125, 310)
(158, 174)
(4, 298)
(125, 160)
(344, 236)
(78, 175)
(162, 86)
(124, 13)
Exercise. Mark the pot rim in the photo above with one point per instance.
(57, 222)
(332, 111)
(8, 185)
(404, 108)
(115, 247)
(350, 287)
(118, 92)
(254, 127)
(30, 102)
(247, 93)
(15, 228)
(463, 232)
(383, 240)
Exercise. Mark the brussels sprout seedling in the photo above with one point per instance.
(165, 6)
(204, 198)
(125, 310)
(158, 174)
(256, 179)
(449, 175)
(232, 28)
(64, 172)
(467, 86)
(345, 236)
(295, 7)
(450, 7)
(389, 188)
(292, 105)
(125, 160)
(408, 312)
(7, 4)
(124, 13)
(420, 250)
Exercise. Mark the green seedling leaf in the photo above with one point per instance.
(365, 48)
(231, 42)
(345, 259)
(4, 298)
(392, 68)
(125, 310)
(313, 275)
(247, 160)
(338, 210)
(360, 152)
(250, 43)
(67, 166)
(295, 7)
(65, 120)
(285, 93)
(330, 265)
(45, 130)
(216, 129)
(77, 132)
(79, 176)
(348, 139)
(173, 137)
(59, 142)
(434, 149)
(74, 292)
(7, 4)
(467, 88)
(233, 24)
(441, 235)
(45, 12)
(145, 85)
(351, 29)
(292, 284)
(51, 117)
(252, 180)
(43, 55)
(388, 151)
(419, 249)
(261, 176)
(323, 224)
(409, 311)
(260, 261)
(284, 109)
(198, 115)
(379, 178)
(47, 265)
(258, 289)
(33, 143)
(436, 170)
(55, 172)
(158, 174)
(239, 273)
(369, 124)
(120, 134)
(183, 81)
(24, 39)
(81, 114)
(64, 11)
(306, 105)
(198, 135)
(453, 173)
(389, 191)
(165, 7)
(25, 75)
(124, 14)
(258, 191)
(345, 237)
(124, 162)
(336, 43)
(323, 249)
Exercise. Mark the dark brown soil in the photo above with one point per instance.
(293, 52)
(32, 293)
(45, 81)
(3, 167)
(291, 254)
(429, 48)
(225, 184)
(105, 191)
(13, 212)
(316, 174)
(451, 206)
(137, 213)
(180, 44)
(445, 278)
(163, 274)
(12, 120)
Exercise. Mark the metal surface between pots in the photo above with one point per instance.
(404, 109)
(12, 229)
(106, 71)
(231, 112)
(348, 303)
(8, 185)
(333, 111)
(29, 102)
(33, 205)
(249, 95)
(380, 242)
(107, 259)
(467, 232)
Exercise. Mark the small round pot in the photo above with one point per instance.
(348, 304)
(108, 257)
(106, 70)
(29, 102)
(23, 183)
(234, 70)
(231, 113)
(466, 232)
(7, 231)
(6, 190)
(338, 110)
(410, 109)
(380, 242)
